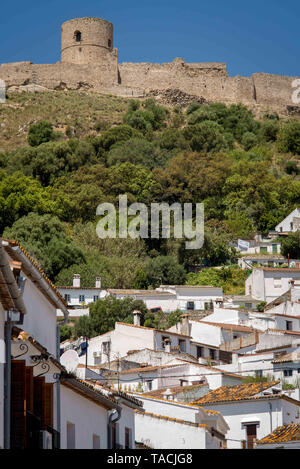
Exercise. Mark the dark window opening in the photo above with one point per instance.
(200, 352)
(289, 325)
(109, 43)
(77, 36)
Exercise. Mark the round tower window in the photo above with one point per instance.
(77, 36)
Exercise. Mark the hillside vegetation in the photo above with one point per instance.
(63, 153)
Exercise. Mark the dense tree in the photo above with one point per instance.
(40, 132)
(45, 238)
(289, 138)
(290, 245)
(105, 313)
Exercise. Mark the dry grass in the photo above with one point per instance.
(81, 111)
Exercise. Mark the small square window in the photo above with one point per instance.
(81, 298)
(287, 372)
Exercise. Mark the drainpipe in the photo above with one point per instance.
(16, 297)
(271, 423)
(117, 411)
(58, 398)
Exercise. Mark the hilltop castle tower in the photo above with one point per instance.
(86, 41)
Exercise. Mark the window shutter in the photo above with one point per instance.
(48, 405)
(18, 404)
(29, 389)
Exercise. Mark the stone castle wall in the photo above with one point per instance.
(90, 62)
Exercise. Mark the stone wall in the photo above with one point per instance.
(208, 82)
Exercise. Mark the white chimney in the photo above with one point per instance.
(137, 318)
(76, 280)
(98, 282)
(185, 326)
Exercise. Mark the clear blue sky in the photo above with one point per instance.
(253, 36)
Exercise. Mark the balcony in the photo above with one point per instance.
(33, 433)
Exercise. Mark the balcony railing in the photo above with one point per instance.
(34, 428)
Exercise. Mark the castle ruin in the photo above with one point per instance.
(89, 61)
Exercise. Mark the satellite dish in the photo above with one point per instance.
(70, 360)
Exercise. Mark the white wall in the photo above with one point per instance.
(164, 434)
(88, 417)
(237, 413)
(40, 320)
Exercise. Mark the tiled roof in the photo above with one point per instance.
(12, 253)
(283, 331)
(173, 390)
(234, 393)
(147, 368)
(290, 432)
(112, 392)
(140, 292)
(233, 327)
(279, 300)
(289, 357)
(172, 419)
(153, 329)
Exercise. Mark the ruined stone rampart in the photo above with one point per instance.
(90, 62)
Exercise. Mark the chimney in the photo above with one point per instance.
(137, 318)
(76, 280)
(167, 394)
(98, 282)
(185, 326)
(167, 344)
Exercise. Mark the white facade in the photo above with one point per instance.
(266, 413)
(267, 284)
(125, 337)
(157, 424)
(290, 224)
(172, 297)
(86, 417)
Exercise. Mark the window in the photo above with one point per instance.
(258, 373)
(263, 249)
(105, 347)
(212, 353)
(96, 298)
(96, 441)
(298, 371)
(109, 43)
(70, 435)
(163, 339)
(289, 325)
(127, 438)
(190, 305)
(182, 345)
(67, 298)
(277, 282)
(81, 298)
(274, 248)
(251, 435)
(287, 373)
(183, 382)
(149, 384)
(77, 36)
(200, 352)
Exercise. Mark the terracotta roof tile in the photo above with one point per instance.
(234, 393)
(290, 432)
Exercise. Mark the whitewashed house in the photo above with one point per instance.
(267, 283)
(168, 424)
(29, 366)
(94, 417)
(125, 337)
(172, 297)
(251, 411)
(79, 298)
(152, 378)
(289, 224)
